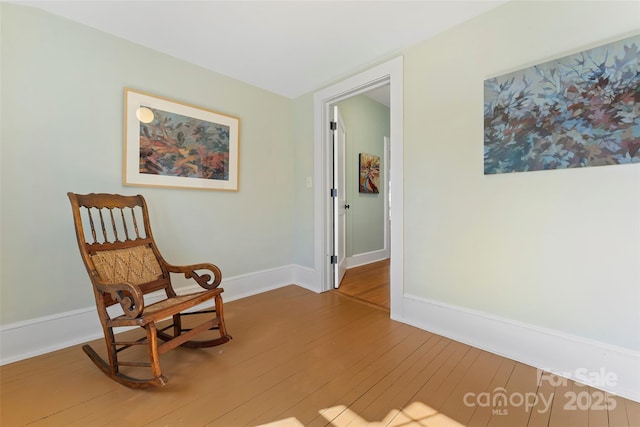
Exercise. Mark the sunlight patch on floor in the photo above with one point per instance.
(287, 422)
(414, 415)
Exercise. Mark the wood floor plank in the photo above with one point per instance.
(562, 404)
(483, 410)
(453, 411)
(64, 378)
(578, 416)
(319, 385)
(332, 393)
(462, 399)
(617, 412)
(259, 375)
(341, 389)
(597, 416)
(431, 382)
(512, 410)
(540, 411)
(364, 383)
(382, 402)
(437, 390)
(369, 283)
(325, 358)
(633, 410)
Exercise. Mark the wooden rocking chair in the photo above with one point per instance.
(124, 266)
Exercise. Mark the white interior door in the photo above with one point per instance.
(339, 200)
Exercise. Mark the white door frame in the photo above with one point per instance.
(391, 73)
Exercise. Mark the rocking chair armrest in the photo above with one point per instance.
(204, 280)
(129, 296)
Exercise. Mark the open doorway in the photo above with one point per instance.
(361, 163)
(389, 73)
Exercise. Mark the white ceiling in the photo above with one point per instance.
(287, 47)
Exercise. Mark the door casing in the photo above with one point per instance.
(391, 73)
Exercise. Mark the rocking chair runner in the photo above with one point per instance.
(124, 266)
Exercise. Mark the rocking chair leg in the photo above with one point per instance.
(111, 348)
(177, 324)
(220, 315)
(152, 343)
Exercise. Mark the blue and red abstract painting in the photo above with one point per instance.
(578, 111)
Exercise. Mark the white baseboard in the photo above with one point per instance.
(307, 278)
(560, 353)
(30, 338)
(34, 337)
(366, 258)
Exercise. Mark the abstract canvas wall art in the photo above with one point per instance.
(578, 111)
(369, 181)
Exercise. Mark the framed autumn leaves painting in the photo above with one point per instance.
(173, 144)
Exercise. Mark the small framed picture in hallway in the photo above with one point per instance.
(369, 181)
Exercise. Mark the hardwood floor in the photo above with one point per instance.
(305, 359)
(368, 283)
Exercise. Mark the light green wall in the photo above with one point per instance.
(62, 117)
(555, 249)
(302, 131)
(367, 123)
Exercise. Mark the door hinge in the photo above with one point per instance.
(333, 192)
(334, 259)
(333, 125)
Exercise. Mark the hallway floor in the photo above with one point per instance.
(368, 283)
